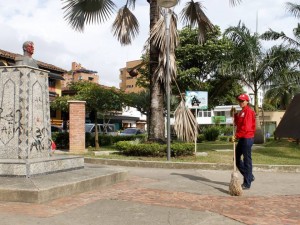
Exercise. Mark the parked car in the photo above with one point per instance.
(56, 129)
(131, 131)
(102, 129)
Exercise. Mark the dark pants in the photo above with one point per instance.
(245, 166)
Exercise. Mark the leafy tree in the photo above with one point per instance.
(125, 27)
(61, 103)
(99, 100)
(200, 67)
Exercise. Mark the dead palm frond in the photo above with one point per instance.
(185, 123)
(193, 16)
(158, 37)
(126, 26)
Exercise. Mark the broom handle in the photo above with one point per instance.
(234, 159)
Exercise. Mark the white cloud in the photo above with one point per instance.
(56, 43)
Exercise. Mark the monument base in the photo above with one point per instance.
(32, 167)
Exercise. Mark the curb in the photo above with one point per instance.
(184, 165)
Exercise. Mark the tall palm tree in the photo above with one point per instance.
(294, 9)
(282, 89)
(125, 27)
(255, 67)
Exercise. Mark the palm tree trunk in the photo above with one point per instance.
(156, 116)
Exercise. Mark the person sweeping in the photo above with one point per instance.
(245, 130)
(235, 188)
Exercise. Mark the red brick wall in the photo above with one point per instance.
(77, 126)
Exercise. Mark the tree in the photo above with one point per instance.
(125, 27)
(200, 67)
(99, 99)
(294, 9)
(282, 89)
(253, 66)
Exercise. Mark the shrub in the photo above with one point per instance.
(224, 138)
(211, 133)
(226, 130)
(182, 149)
(134, 148)
(61, 139)
(200, 138)
(106, 140)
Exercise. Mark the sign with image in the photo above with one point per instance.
(196, 99)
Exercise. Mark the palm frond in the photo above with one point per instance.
(273, 35)
(158, 37)
(126, 26)
(81, 12)
(192, 15)
(185, 123)
(293, 8)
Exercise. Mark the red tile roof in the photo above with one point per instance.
(11, 56)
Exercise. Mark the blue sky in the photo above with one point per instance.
(41, 21)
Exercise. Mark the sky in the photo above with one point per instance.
(56, 43)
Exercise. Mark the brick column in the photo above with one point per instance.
(77, 126)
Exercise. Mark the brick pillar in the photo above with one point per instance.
(77, 126)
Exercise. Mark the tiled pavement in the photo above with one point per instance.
(193, 190)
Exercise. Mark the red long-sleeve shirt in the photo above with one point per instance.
(245, 123)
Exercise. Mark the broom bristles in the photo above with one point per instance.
(235, 188)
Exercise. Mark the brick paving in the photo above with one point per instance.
(245, 209)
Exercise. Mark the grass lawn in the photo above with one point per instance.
(272, 153)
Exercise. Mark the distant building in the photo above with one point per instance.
(128, 82)
(78, 73)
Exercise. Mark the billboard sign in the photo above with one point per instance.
(196, 99)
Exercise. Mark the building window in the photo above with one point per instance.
(80, 78)
(51, 83)
(222, 113)
(91, 78)
(204, 114)
(207, 113)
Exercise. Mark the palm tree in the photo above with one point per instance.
(282, 89)
(254, 67)
(125, 27)
(294, 9)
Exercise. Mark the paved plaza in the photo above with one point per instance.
(152, 196)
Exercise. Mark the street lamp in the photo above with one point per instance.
(167, 4)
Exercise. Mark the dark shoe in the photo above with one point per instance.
(253, 179)
(244, 187)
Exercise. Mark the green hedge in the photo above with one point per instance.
(106, 140)
(131, 148)
(62, 139)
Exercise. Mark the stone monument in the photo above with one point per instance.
(26, 59)
(25, 132)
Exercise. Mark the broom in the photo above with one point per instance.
(235, 188)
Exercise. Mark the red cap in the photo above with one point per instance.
(243, 97)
